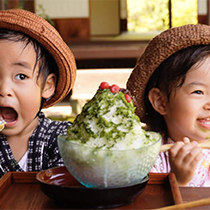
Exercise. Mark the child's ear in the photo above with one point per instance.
(158, 100)
(49, 87)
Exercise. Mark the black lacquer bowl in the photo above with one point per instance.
(58, 184)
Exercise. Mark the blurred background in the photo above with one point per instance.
(112, 33)
(107, 36)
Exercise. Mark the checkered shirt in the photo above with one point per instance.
(42, 150)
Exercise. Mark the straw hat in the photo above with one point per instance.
(158, 50)
(44, 33)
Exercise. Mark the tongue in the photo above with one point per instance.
(8, 113)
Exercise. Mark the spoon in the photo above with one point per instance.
(166, 147)
(2, 124)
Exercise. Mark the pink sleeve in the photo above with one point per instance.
(161, 164)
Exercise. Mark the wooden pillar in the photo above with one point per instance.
(29, 5)
(208, 12)
(170, 13)
(13, 4)
(2, 5)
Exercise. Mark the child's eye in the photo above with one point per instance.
(20, 76)
(200, 92)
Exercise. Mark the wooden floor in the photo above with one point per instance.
(108, 49)
(124, 45)
(108, 52)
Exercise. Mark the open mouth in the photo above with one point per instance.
(8, 114)
(205, 122)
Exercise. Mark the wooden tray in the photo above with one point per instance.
(20, 190)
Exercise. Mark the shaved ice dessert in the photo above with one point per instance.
(108, 121)
(106, 146)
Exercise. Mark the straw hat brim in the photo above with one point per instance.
(44, 33)
(159, 49)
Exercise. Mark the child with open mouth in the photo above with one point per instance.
(37, 70)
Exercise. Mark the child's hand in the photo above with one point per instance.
(184, 157)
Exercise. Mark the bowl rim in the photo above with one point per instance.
(61, 137)
(82, 187)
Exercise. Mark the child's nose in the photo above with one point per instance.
(5, 89)
(207, 106)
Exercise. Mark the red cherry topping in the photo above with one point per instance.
(104, 85)
(128, 98)
(114, 88)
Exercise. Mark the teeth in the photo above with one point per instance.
(207, 121)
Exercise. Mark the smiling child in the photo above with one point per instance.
(171, 85)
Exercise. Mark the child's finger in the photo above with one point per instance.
(181, 150)
(175, 148)
(193, 156)
(186, 140)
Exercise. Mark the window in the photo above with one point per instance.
(158, 15)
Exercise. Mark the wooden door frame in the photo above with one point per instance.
(208, 12)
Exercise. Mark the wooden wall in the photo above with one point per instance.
(11, 4)
(73, 29)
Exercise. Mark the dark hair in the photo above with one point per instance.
(170, 75)
(47, 64)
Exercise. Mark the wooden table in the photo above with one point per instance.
(20, 190)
